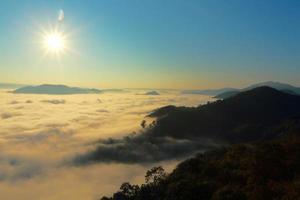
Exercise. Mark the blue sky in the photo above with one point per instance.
(153, 43)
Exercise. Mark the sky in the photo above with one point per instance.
(180, 44)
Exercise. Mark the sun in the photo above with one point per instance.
(55, 42)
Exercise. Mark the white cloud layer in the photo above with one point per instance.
(39, 133)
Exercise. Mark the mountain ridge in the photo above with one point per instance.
(287, 88)
(255, 110)
(55, 89)
(228, 91)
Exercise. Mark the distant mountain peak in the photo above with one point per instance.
(263, 90)
(53, 85)
(273, 84)
(55, 89)
(283, 87)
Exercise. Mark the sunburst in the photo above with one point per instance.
(55, 42)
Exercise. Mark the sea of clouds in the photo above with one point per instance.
(42, 135)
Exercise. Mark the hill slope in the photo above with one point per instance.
(226, 95)
(247, 116)
(268, 170)
(246, 171)
(228, 92)
(276, 85)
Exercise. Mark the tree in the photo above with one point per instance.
(129, 190)
(143, 124)
(155, 175)
(105, 198)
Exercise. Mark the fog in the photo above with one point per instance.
(40, 135)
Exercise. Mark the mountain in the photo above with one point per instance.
(276, 85)
(248, 116)
(211, 92)
(268, 170)
(151, 93)
(265, 164)
(226, 95)
(289, 92)
(55, 89)
(228, 92)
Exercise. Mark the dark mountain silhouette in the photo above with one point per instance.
(276, 85)
(211, 92)
(264, 165)
(289, 92)
(229, 94)
(55, 89)
(248, 116)
(268, 170)
(226, 95)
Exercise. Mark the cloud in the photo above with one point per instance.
(76, 183)
(14, 102)
(39, 142)
(46, 135)
(28, 156)
(54, 101)
(102, 111)
(19, 107)
(144, 149)
(8, 115)
(15, 168)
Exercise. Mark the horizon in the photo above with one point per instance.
(178, 89)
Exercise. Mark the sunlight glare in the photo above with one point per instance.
(54, 42)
